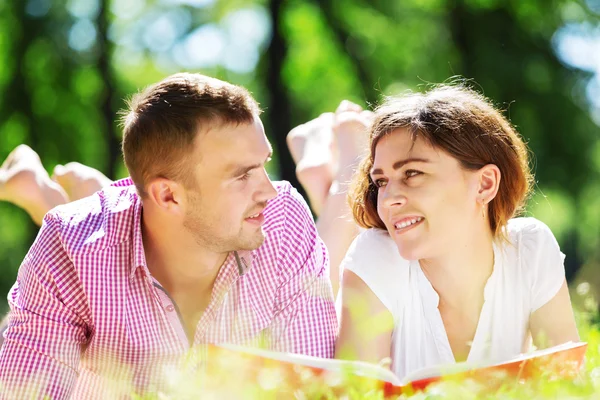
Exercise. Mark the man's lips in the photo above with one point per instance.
(257, 218)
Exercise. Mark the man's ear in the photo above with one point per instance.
(489, 183)
(166, 194)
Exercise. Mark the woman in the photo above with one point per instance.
(444, 273)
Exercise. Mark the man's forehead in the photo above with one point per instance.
(239, 165)
(230, 147)
(228, 134)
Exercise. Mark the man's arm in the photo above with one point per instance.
(46, 331)
(305, 318)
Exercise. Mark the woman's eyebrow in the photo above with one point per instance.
(399, 164)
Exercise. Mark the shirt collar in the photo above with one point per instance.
(237, 264)
(244, 260)
(139, 257)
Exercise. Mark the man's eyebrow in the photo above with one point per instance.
(242, 169)
(399, 164)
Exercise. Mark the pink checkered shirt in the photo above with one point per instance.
(88, 320)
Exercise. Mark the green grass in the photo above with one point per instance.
(239, 377)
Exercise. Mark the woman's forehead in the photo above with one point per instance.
(403, 142)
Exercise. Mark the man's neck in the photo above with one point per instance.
(179, 263)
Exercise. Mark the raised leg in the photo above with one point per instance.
(311, 147)
(79, 180)
(25, 183)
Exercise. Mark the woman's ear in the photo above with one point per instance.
(489, 183)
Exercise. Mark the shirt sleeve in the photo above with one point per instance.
(305, 319)
(45, 334)
(373, 256)
(544, 262)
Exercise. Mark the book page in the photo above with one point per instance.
(543, 352)
(373, 371)
(446, 369)
(438, 370)
(359, 368)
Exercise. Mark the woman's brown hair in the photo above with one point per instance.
(467, 126)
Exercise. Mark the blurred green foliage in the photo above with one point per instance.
(66, 67)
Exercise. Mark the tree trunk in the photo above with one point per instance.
(108, 111)
(279, 111)
(17, 97)
(333, 19)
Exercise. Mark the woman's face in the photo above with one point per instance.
(426, 200)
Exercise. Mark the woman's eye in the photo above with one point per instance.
(412, 172)
(380, 182)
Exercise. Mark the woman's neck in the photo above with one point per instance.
(459, 275)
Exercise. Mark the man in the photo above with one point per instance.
(199, 246)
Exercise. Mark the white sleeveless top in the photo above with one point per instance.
(526, 275)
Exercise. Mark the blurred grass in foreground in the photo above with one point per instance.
(236, 377)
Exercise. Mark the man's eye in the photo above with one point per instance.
(245, 177)
(412, 172)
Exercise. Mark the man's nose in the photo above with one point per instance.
(267, 190)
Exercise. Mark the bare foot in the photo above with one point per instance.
(351, 136)
(25, 183)
(311, 147)
(79, 180)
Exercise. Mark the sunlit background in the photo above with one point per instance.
(66, 67)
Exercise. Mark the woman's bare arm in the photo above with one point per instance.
(554, 322)
(366, 324)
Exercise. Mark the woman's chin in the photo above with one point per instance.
(409, 252)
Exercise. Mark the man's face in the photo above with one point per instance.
(225, 210)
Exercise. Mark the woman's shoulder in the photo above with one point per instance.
(538, 259)
(374, 258)
(529, 233)
(535, 249)
(375, 246)
(525, 224)
(374, 236)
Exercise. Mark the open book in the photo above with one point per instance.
(564, 360)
